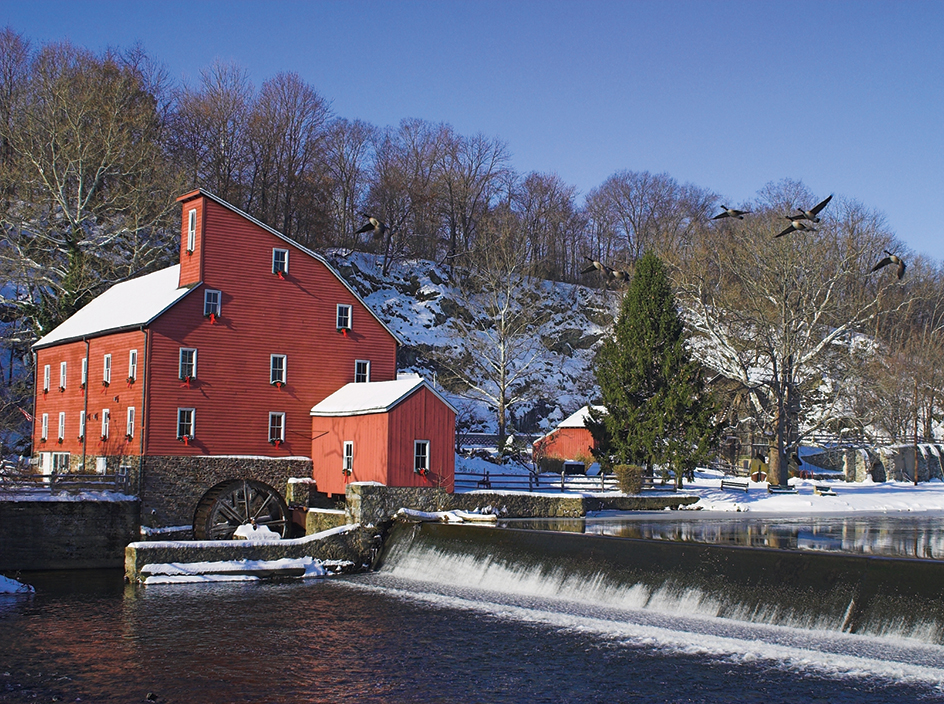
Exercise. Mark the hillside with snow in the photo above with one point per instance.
(418, 302)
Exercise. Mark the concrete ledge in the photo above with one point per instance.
(350, 543)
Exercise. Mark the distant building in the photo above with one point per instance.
(207, 371)
(569, 441)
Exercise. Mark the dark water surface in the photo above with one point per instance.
(436, 624)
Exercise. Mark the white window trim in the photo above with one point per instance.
(81, 425)
(62, 426)
(106, 422)
(58, 462)
(191, 230)
(274, 269)
(46, 376)
(44, 428)
(416, 445)
(219, 302)
(347, 457)
(180, 363)
(193, 423)
(284, 376)
(106, 370)
(350, 316)
(281, 416)
(63, 375)
(132, 365)
(84, 371)
(129, 424)
(365, 362)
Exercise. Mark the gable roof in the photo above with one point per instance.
(578, 419)
(125, 306)
(358, 399)
(229, 206)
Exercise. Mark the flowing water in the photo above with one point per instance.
(473, 614)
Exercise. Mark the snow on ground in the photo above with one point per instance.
(230, 570)
(11, 586)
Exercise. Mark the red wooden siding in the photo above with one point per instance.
(383, 445)
(566, 443)
(261, 315)
(117, 396)
(191, 263)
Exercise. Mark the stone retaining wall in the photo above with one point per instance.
(55, 534)
(894, 462)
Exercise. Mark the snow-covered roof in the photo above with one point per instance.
(314, 255)
(124, 306)
(356, 399)
(578, 418)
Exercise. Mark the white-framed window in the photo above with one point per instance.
(84, 371)
(63, 367)
(60, 462)
(185, 423)
(101, 465)
(81, 425)
(46, 375)
(44, 427)
(277, 369)
(279, 261)
(347, 463)
(106, 422)
(344, 316)
(276, 427)
(361, 371)
(62, 426)
(132, 365)
(212, 303)
(191, 230)
(129, 425)
(421, 456)
(187, 366)
(106, 370)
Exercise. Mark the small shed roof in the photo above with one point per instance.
(356, 399)
(578, 419)
(124, 306)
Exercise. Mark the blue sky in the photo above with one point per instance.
(846, 96)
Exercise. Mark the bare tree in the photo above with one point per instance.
(347, 153)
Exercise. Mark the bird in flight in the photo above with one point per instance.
(813, 213)
(731, 213)
(796, 224)
(892, 259)
(373, 225)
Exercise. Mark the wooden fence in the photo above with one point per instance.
(18, 481)
(471, 481)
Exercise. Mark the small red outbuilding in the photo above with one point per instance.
(568, 441)
(397, 433)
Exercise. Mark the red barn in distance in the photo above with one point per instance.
(207, 371)
(570, 441)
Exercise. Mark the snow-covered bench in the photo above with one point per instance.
(823, 490)
(735, 483)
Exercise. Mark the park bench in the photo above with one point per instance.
(823, 490)
(735, 483)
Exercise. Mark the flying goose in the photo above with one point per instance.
(731, 213)
(812, 213)
(796, 224)
(373, 225)
(892, 259)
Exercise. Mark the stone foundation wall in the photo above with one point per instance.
(172, 486)
(60, 534)
(895, 462)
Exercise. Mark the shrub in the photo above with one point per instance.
(629, 477)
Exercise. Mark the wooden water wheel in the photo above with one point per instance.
(231, 504)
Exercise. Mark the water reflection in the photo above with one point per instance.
(889, 536)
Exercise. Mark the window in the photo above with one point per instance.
(106, 419)
(347, 465)
(84, 372)
(187, 368)
(101, 465)
(60, 462)
(132, 365)
(191, 230)
(185, 424)
(211, 304)
(344, 317)
(44, 429)
(46, 379)
(62, 376)
(129, 427)
(421, 456)
(277, 369)
(81, 425)
(276, 428)
(280, 262)
(361, 371)
(62, 426)
(106, 372)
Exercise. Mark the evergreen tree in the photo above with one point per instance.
(658, 411)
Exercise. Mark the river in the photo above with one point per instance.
(470, 614)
